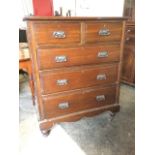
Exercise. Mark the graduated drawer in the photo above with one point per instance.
(103, 32)
(57, 33)
(61, 57)
(70, 102)
(77, 77)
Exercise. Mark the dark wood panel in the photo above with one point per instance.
(128, 65)
(77, 55)
(78, 100)
(49, 123)
(93, 31)
(78, 77)
(44, 33)
(128, 68)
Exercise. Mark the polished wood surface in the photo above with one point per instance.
(78, 100)
(78, 77)
(85, 80)
(128, 69)
(92, 31)
(44, 33)
(77, 55)
(46, 125)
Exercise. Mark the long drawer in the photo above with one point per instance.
(63, 57)
(66, 103)
(77, 77)
(103, 32)
(57, 33)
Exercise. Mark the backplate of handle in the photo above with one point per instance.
(61, 58)
(100, 98)
(59, 34)
(101, 77)
(104, 32)
(102, 54)
(62, 82)
(63, 105)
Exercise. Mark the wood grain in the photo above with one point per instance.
(92, 31)
(78, 100)
(77, 55)
(44, 33)
(77, 77)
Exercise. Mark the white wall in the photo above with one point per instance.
(91, 7)
(99, 7)
(25, 8)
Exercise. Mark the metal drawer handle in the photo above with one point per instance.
(61, 58)
(100, 98)
(102, 54)
(59, 34)
(128, 30)
(104, 32)
(63, 105)
(101, 77)
(62, 82)
(128, 38)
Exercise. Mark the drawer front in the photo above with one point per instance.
(63, 57)
(66, 103)
(77, 77)
(103, 32)
(57, 33)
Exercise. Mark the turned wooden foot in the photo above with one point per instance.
(45, 132)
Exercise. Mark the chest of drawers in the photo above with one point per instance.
(76, 66)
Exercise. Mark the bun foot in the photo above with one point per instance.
(45, 132)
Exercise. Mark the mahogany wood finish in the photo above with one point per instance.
(76, 66)
(128, 70)
(79, 77)
(85, 99)
(77, 55)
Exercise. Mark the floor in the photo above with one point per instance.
(103, 134)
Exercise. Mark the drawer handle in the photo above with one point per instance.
(102, 54)
(101, 77)
(128, 30)
(61, 58)
(62, 82)
(59, 34)
(128, 38)
(100, 98)
(63, 105)
(104, 32)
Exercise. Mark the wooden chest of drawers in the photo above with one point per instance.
(76, 66)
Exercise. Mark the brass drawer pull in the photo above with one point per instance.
(59, 34)
(102, 54)
(61, 58)
(63, 105)
(104, 32)
(101, 77)
(100, 98)
(62, 82)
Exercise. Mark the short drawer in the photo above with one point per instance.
(103, 32)
(77, 77)
(57, 33)
(63, 57)
(70, 102)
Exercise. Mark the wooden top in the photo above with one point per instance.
(55, 18)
